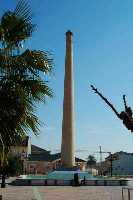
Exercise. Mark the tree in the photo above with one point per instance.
(14, 166)
(91, 161)
(125, 116)
(22, 78)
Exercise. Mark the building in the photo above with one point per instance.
(37, 160)
(56, 162)
(122, 163)
(41, 161)
(22, 148)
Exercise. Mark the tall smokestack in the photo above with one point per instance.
(67, 148)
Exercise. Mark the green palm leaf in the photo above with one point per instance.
(22, 83)
(16, 25)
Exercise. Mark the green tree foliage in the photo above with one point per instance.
(91, 161)
(14, 166)
(22, 77)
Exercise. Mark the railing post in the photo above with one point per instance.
(122, 194)
(128, 194)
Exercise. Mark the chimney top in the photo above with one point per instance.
(69, 32)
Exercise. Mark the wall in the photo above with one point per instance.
(123, 166)
(37, 167)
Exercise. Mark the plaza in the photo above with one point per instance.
(63, 162)
(63, 193)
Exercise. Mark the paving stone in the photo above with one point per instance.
(62, 193)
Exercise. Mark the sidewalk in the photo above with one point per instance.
(62, 193)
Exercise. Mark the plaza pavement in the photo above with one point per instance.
(62, 193)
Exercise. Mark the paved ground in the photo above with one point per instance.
(62, 193)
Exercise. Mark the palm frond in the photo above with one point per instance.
(38, 60)
(17, 25)
(21, 81)
(37, 89)
(29, 63)
(24, 10)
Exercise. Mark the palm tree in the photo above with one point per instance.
(22, 78)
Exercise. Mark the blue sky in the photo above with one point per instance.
(103, 56)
